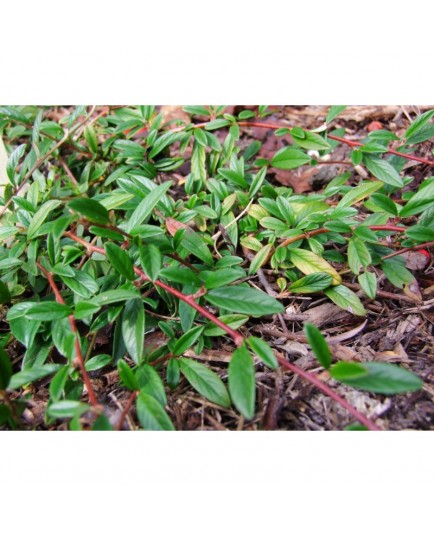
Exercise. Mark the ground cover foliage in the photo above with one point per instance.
(216, 267)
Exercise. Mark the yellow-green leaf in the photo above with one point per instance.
(310, 263)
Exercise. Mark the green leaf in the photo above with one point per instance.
(421, 201)
(420, 233)
(234, 321)
(90, 209)
(289, 158)
(150, 383)
(311, 263)
(198, 160)
(172, 373)
(31, 375)
(257, 182)
(376, 377)
(217, 123)
(5, 370)
(148, 204)
(309, 140)
(91, 139)
(194, 244)
(333, 112)
(164, 141)
(127, 376)
(120, 260)
(385, 203)
(187, 340)
(64, 409)
(151, 261)
(49, 310)
(260, 259)
(358, 255)
(5, 295)
(241, 377)
(205, 381)
(263, 351)
(396, 273)
(102, 424)
(311, 283)
(383, 170)
(133, 328)
(346, 299)
(222, 277)
(58, 381)
(40, 216)
(419, 123)
(97, 362)
(244, 300)
(152, 415)
(113, 296)
(355, 195)
(368, 283)
(13, 160)
(318, 344)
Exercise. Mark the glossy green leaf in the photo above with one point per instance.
(311, 263)
(64, 409)
(333, 112)
(173, 373)
(146, 206)
(127, 376)
(152, 415)
(260, 258)
(31, 375)
(40, 216)
(90, 209)
(222, 277)
(289, 158)
(358, 193)
(151, 261)
(263, 351)
(98, 361)
(49, 310)
(318, 344)
(346, 299)
(241, 377)
(421, 201)
(383, 170)
(120, 260)
(205, 381)
(244, 300)
(314, 282)
(187, 340)
(358, 255)
(309, 140)
(420, 122)
(420, 233)
(368, 283)
(376, 377)
(150, 383)
(133, 328)
(58, 381)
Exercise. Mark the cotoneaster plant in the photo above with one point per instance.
(101, 232)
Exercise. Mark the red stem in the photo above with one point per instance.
(238, 338)
(328, 391)
(126, 410)
(336, 138)
(59, 298)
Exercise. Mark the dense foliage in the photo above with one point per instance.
(99, 232)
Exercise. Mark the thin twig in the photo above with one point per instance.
(126, 410)
(79, 355)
